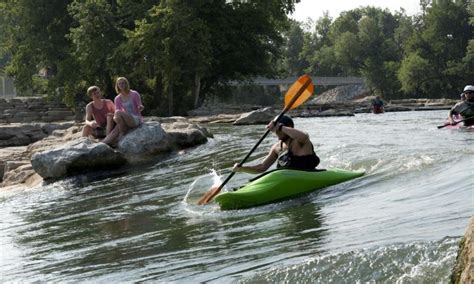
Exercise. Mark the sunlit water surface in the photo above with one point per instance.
(401, 222)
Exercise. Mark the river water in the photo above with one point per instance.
(400, 223)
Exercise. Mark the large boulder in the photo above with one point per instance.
(76, 156)
(463, 271)
(11, 154)
(20, 173)
(154, 137)
(81, 154)
(183, 135)
(144, 141)
(260, 116)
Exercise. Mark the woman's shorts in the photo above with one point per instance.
(100, 132)
(137, 120)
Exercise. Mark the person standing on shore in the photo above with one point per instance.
(465, 108)
(128, 107)
(99, 115)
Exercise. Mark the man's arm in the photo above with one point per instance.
(263, 166)
(90, 117)
(454, 110)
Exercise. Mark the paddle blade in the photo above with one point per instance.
(295, 90)
(209, 195)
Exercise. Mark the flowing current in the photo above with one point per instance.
(400, 223)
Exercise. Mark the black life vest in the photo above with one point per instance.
(286, 159)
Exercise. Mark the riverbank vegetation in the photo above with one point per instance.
(177, 53)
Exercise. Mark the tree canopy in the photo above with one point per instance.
(175, 53)
(427, 55)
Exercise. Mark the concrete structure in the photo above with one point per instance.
(317, 81)
(7, 87)
(33, 109)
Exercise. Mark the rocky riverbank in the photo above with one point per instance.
(340, 101)
(21, 141)
(254, 114)
(65, 152)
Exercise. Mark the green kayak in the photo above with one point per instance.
(281, 184)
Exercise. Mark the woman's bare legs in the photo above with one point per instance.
(110, 123)
(112, 138)
(124, 122)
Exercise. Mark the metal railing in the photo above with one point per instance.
(318, 81)
(7, 87)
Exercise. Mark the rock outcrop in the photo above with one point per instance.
(261, 116)
(141, 142)
(340, 94)
(463, 271)
(23, 134)
(76, 156)
(66, 153)
(9, 157)
(340, 101)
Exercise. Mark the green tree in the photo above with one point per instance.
(94, 36)
(176, 43)
(33, 33)
(174, 52)
(442, 41)
(414, 73)
(182, 50)
(318, 50)
(360, 42)
(468, 60)
(403, 32)
(294, 63)
(379, 52)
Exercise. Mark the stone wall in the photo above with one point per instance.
(33, 109)
(22, 134)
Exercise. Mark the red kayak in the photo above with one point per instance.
(459, 124)
(377, 109)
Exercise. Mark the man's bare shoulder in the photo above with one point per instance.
(276, 148)
(89, 105)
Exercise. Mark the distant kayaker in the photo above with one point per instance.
(464, 108)
(99, 114)
(377, 105)
(293, 150)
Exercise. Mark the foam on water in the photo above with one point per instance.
(414, 262)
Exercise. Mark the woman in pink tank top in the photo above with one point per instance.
(128, 107)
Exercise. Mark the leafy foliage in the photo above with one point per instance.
(175, 53)
(426, 55)
(171, 50)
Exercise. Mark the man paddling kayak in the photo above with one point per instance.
(294, 149)
(297, 94)
(377, 105)
(464, 108)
